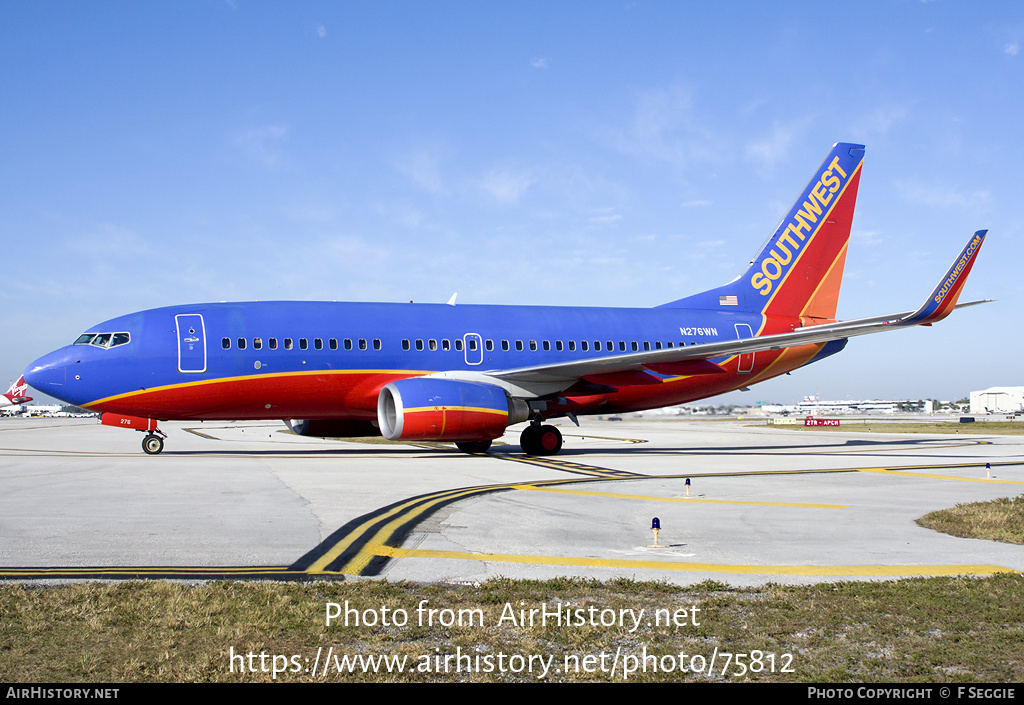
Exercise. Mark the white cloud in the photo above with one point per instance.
(880, 120)
(779, 144)
(867, 237)
(262, 144)
(506, 186)
(1012, 49)
(321, 31)
(605, 217)
(939, 196)
(111, 240)
(539, 63)
(424, 168)
(664, 127)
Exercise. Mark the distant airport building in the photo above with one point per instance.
(44, 410)
(1004, 400)
(813, 406)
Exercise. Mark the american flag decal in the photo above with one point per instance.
(728, 300)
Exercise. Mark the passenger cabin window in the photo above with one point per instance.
(458, 344)
(405, 344)
(377, 344)
(272, 343)
(287, 343)
(241, 343)
(318, 344)
(362, 343)
(224, 343)
(333, 343)
(303, 344)
(257, 343)
(348, 344)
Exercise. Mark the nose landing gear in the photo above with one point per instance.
(152, 444)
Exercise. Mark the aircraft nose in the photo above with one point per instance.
(48, 374)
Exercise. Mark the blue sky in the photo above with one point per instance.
(577, 153)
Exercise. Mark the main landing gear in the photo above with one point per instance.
(540, 440)
(153, 443)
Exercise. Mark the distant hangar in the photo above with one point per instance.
(1003, 400)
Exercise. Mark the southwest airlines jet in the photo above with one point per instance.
(463, 374)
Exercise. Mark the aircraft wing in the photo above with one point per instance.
(696, 359)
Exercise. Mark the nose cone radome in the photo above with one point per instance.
(48, 374)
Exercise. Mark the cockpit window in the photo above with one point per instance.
(104, 340)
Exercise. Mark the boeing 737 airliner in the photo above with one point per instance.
(463, 374)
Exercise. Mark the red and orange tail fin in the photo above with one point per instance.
(799, 269)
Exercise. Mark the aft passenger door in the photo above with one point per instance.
(191, 342)
(746, 361)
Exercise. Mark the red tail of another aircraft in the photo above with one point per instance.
(16, 394)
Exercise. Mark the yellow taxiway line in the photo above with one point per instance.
(694, 500)
(825, 570)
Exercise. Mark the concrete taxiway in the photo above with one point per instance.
(248, 499)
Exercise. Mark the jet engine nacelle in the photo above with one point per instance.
(433, 409)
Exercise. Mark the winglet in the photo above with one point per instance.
(943, 300)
